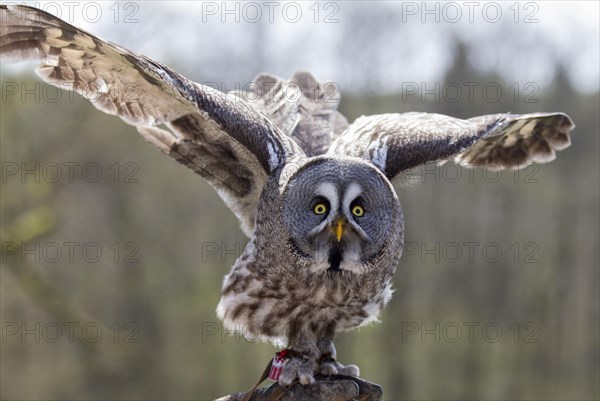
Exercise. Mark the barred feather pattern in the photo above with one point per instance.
(301, 107)
(218, 136)
(252, 145)
(399, 142)
(272, 295)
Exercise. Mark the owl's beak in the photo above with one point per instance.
(339, 226)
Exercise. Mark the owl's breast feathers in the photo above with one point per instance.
(282, 308)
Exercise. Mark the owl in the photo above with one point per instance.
(312, 192)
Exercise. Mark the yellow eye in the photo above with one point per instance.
(320, 208)
(358, 211)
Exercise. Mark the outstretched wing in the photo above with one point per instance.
(398, 142)
(302, 108)
(218, 136)
(524, 139)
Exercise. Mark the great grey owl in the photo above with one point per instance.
(313, 193)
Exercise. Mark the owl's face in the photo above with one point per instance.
(341, 214)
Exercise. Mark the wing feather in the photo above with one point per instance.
(399, 142)
(302, 108)
(525, 139)
(217, 135)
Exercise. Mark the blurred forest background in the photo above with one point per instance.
(496, 296)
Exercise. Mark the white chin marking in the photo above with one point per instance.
(351, 261)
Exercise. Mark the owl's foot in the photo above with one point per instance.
(308, 359)
(328, 366)
(331, 367)
(301, 367)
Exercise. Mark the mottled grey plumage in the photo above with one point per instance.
(286, 287)
(313, 193)
(301, 108)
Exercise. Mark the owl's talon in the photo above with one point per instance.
(348, 370)
(328, 369)
(329, 366)
(306, 378)
(337, 368)
(297, 368)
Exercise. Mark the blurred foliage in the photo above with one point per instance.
(160, 338)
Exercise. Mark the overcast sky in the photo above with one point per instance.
(377, 46)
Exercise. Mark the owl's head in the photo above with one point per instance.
(341, 215)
